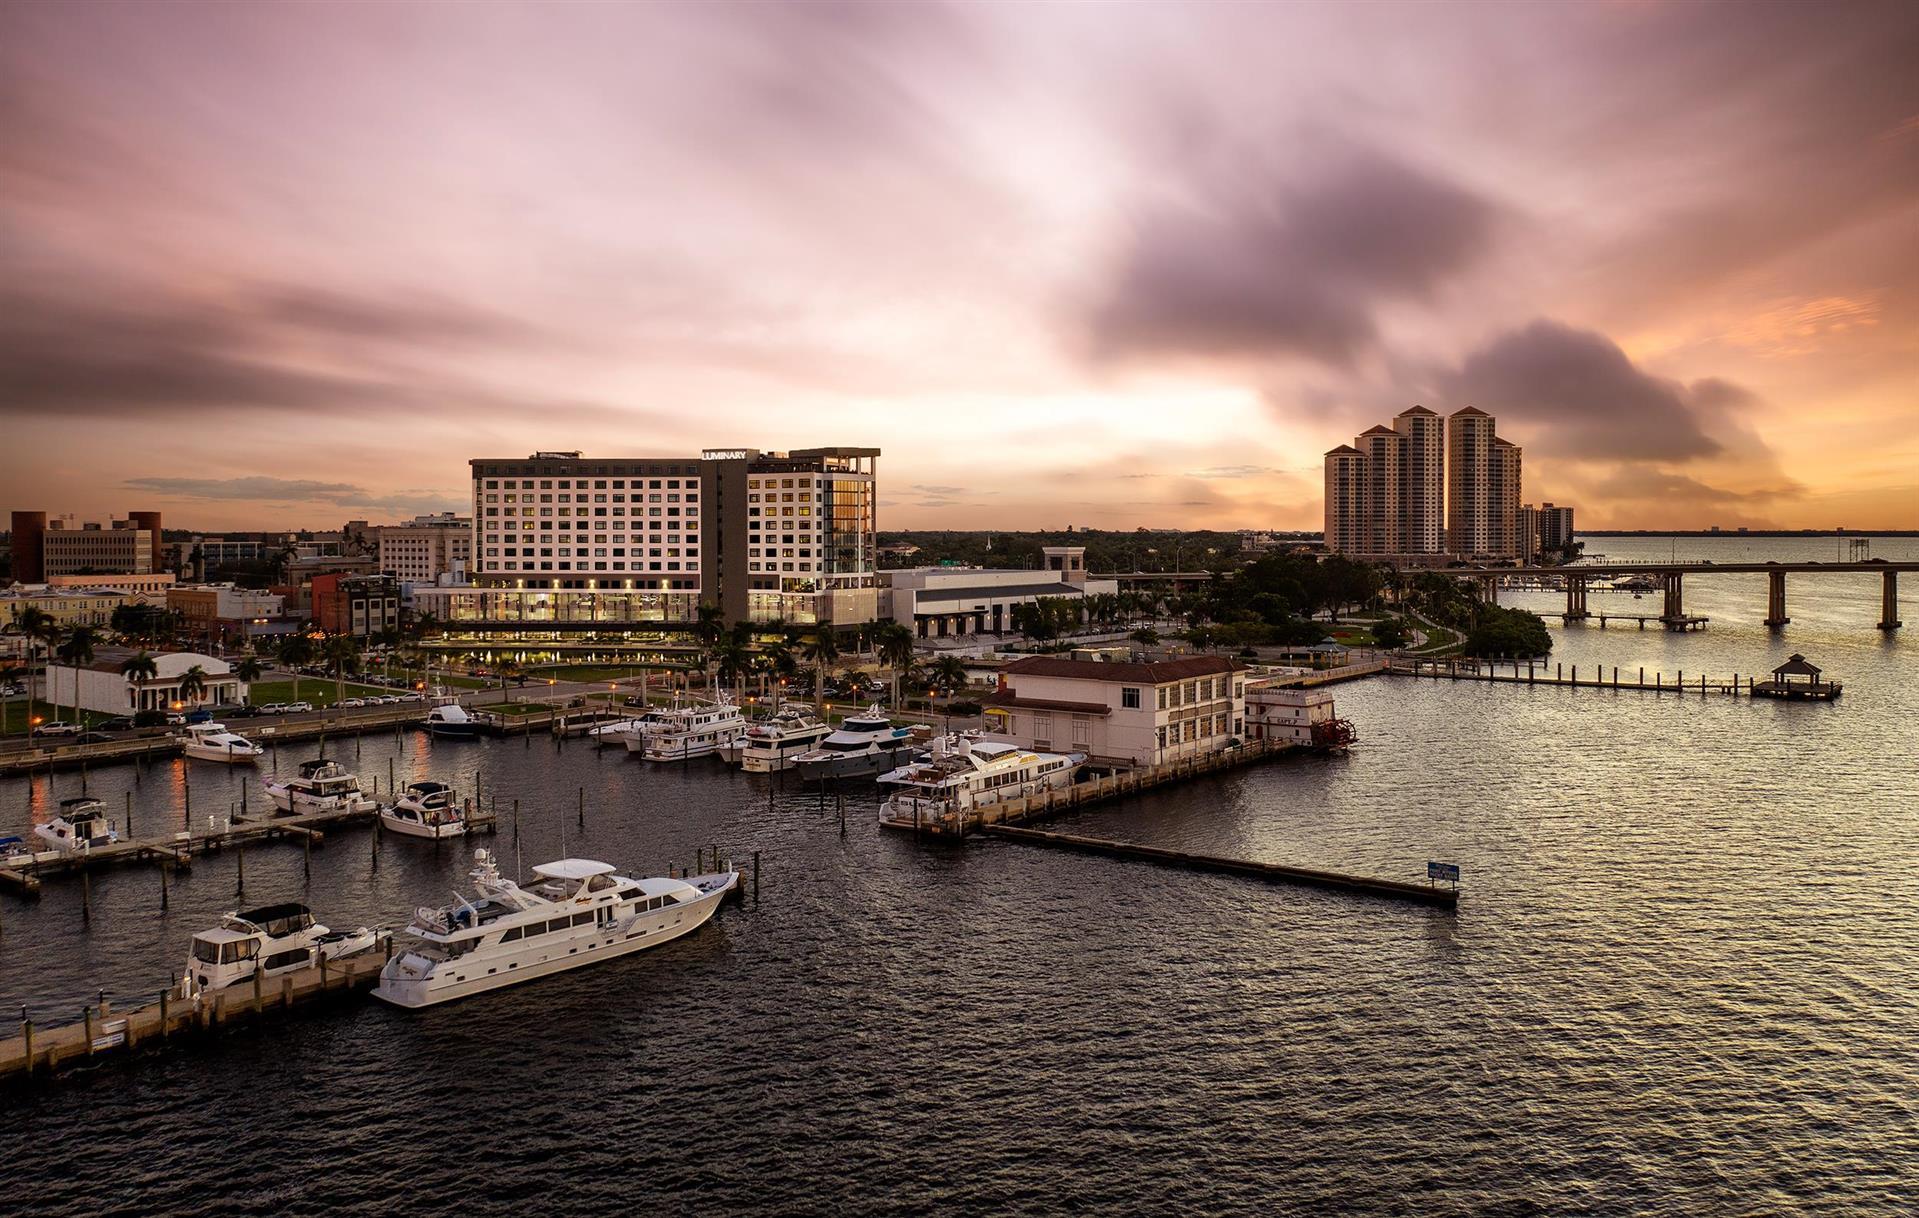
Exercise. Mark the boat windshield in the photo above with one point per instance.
(846, 746)
(225, 953)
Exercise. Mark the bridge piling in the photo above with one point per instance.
(1889, 601)
(1776, 599)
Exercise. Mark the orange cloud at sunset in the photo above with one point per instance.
(1094, 265)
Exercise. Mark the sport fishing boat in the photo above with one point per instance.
(213, 742)
(865, 744)
(320, 786)
(81, 826)
(698, 729)
(449, 719)
(964, 774)
(575, 912)
(771, 744)
(271, 940)
(426, 809)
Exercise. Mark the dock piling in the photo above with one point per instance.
(756, 878)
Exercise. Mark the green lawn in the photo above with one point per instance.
(317, 690)
(1353, 636)
(14, 722)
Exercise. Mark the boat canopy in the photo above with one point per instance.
(427, 788)
(573, 869)
(81, 804)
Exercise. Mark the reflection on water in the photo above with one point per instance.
(1680, 980)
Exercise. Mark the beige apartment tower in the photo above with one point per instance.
(1385, 471)
(1346, 501)
(1422, 487)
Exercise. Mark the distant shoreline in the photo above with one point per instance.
(1748, 533)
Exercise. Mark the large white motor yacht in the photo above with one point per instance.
(271, 940)
(81, 826)
(575, 912)
(426, 809)
(699, 729)
(213, 742)
(962, 774)
(865, 744)
(320, 786)
(771, 744)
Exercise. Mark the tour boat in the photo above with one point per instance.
(575, 912)
(271, 940)
(865, 744)
(213, 742)
(967, 774)
(321, 786)
(698, 729)
(772, 744)
(450, 719)
(427, 809)
(81, 825)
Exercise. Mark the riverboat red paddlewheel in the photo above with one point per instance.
(1334, 735)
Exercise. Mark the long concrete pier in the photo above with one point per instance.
(1423, 894)
(104, 1031)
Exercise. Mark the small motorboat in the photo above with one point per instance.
(321, 786)
(81, 826)
(449, 719)
(271, 940)
(426, 809)
(213, 742)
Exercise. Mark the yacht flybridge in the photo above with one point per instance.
(772, 744)
(575, 912)
(964, 774)
(270, 940)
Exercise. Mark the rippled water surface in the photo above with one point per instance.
(1682, 979)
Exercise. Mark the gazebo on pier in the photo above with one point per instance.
(1798, 679)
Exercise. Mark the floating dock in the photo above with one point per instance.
(1424, 894)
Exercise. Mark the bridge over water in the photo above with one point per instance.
(1671, 576)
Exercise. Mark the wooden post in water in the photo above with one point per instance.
(240, 866)
(306, 855)
(187, 787)
(756, 877)
(164, 868)
(86, 1018)
(516, 820)
(582, 807)
(391, 789)
(129, 813)
(163, 1014)
(86, 893)
(375, 840)
(83, 774)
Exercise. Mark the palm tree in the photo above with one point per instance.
(708, 627)
(296, 650)
(822, 647)
(77, 652)
(139, 669)
(193, 684)
(781, 664)
(894, 643)
(949, 674)
(509, 669)
(733, 651)
(33, 623)
(248, 671)
(342, 655)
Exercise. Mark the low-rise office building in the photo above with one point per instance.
(103, 688)
(221, 613)
(68, 607)
(43, 548)
(150, 587)
(426, 548)
(357, 605)
(1123, 712)
(944, 602)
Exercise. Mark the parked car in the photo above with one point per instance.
(271, 708)
(239, 712)
(119, 723)
(176, 719)
(12, 690)
(203, 715)
(297, 708)
(95, 737)
(351, 702)
(58, 727)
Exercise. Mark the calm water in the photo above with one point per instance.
(1682, 980)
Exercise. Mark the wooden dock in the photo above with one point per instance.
(178, 851)
(1424, 894)
(1522, 673)
(52, 755)
(105, 1031)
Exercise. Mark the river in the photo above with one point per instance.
(1680, 979)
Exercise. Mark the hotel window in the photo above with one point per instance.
(1192, 730)
(1129, 697)
(1042, 729)
(1081, 730)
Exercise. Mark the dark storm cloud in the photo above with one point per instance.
(1261, 264)
(261, 489)
(1644, 483)
(1585, 398)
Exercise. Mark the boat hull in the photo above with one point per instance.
(855, 765)
(413, 828)
(201, 752)
(590, 946)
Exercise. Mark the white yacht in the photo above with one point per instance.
(81, 826)
(633, 725)
(271, 940)
(698, 729)
(866, 743)
(213, 742)
(575, 912)
(963, 774)
(320, 786)
(427, 809)
(771, 744)
(450, 719)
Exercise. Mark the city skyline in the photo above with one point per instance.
(281, 268)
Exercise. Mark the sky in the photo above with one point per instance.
(1105, 265)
